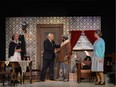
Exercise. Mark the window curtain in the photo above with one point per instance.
(90, 35)
(74, 37)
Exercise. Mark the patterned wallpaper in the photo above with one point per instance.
(14, 24)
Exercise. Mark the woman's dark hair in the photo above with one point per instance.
(99, 33)
(24, 27)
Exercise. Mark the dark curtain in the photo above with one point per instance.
(90, 35)
(74, 37)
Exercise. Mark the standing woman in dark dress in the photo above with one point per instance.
(23, 44)
(22, 39)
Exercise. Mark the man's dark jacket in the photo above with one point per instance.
(49, 48)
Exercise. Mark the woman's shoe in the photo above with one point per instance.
(97, 83)
(102, 83)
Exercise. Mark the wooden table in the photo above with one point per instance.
(15, 64)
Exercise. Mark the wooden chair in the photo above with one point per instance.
(36, 72)
(109, 67)
(83, 73)
(108, 59)
(28, 73)
(4, 73)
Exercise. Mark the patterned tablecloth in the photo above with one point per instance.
(23, 64)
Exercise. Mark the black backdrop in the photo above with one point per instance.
(33, 8)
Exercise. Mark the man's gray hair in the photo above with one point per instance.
(49, 34)
(65, 37)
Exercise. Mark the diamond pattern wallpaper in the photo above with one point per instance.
(14, 24)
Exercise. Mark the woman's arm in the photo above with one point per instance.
(18, 50)
(100, 50)
(11, 49)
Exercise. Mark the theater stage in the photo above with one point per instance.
(71, 83)
(59, 84)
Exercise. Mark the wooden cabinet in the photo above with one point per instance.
(108, 60)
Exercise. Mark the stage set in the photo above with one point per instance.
(34, 23)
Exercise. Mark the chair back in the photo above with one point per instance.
(26, 58)
(2, 66)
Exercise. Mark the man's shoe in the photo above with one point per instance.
(42, 80)
(52, 79)
(16, 81)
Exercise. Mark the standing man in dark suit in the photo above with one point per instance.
(48, 57)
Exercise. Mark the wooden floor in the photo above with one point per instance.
(59, 84)
(71, 83)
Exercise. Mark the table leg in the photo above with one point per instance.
(13, 73)
(21, 77)
(78, 72)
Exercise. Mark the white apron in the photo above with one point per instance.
(16, 57)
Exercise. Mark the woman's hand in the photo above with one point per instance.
(100, 60)
(18, 50)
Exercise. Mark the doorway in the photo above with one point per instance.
(42, 31)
